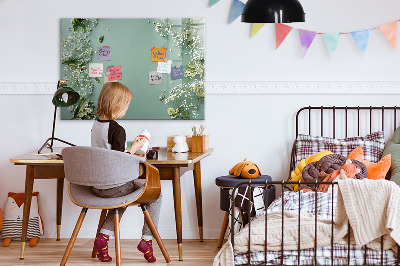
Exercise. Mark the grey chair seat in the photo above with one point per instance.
(83, 196)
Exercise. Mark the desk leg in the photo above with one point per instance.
(60, 190)
(199, 204)
(27, 206)
(176, 182)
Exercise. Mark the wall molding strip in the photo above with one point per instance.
(28, 88)
(304, 87)
(248, 87)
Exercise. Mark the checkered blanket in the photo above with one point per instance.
(324, 206)
(307, 202)
(324, 257)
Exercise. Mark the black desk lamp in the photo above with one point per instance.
(63, 97)
(273, 11)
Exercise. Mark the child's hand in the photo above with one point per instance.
(137, 144)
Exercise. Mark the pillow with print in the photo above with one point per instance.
(372, 145)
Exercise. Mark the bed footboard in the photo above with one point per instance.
(309, 256)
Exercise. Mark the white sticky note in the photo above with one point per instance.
(104, 53)
(164, 67)
(155, 77)
(95, 70)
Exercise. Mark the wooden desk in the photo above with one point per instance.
(168, 164)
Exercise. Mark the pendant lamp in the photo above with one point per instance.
(272, 11)
(63, 97)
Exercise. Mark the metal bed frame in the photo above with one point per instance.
(284, 184)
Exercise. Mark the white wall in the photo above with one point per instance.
(258, 127)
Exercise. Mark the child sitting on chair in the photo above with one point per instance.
(114, 100)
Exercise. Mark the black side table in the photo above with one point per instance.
(226, 183)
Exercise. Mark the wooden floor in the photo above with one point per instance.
(50, 252)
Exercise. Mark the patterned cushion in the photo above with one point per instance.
(372, 144)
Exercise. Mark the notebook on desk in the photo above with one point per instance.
(52, 155)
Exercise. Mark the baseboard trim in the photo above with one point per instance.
(246, 87)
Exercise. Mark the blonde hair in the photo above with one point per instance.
(113, 98)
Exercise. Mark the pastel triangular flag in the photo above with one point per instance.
(237, 9)
(281, 31)
(213, 2)
(306, 39)
(389, 30)
(361, 37)
(256, 28)
(332, 41)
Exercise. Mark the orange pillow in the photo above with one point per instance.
(375, 170)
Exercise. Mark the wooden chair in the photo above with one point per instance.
(85, 167)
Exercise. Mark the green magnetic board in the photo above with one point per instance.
(131, 41)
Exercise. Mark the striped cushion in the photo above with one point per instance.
(372, 145)
(13, 228)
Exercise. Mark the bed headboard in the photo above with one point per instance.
(344, 118)
(344, 121)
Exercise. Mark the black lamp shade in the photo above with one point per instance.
(63, 97)
(273, 11)
(70, 97)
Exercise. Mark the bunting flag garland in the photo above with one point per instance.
(361, 37)
(256, 28)
(332, 41)
(389, 30)
(306, 39)
(213, 2)
(237, 9)
(281, 31)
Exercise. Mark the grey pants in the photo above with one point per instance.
(154, 208)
